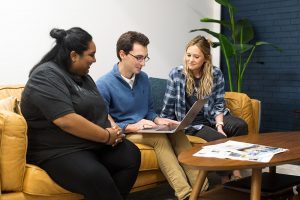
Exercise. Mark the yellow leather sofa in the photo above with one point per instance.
(19, 181)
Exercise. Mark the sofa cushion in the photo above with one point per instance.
(148, 179)
(9, 104)
(13, 144)
(148, 158)
(158, 88)
(240, 105)
(11, 90)
(38, 182)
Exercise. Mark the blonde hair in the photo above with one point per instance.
(206, 79)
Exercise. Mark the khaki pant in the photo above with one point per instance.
(167, 147)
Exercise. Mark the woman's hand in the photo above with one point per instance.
(220, 130)
(115, 135)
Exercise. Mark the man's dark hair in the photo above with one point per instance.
(126, 41)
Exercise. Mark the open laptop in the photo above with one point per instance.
(187, 120)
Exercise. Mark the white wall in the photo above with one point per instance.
(25, 27)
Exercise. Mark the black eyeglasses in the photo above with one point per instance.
(140, 58)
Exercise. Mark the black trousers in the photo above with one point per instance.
(107, 173)
(233, 126)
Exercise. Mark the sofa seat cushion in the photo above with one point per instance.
(38, 182)
(23, 196)
(13, 196)
(146, 179)
(148, 158)
(13, 145)
(195, 140)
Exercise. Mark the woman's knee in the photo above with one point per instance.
(242, 127)
(212, 136)
(132, 154)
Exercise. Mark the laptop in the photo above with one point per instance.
(187, 120)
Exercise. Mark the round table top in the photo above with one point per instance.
(288, 140)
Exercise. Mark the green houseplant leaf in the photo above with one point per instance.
(243, 31)
(222, 22)
(238, 47)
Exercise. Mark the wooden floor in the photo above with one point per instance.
(165, 192)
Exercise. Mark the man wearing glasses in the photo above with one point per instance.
(126, 90)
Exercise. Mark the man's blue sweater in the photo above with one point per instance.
(126, 105)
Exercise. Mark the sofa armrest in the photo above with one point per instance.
(195, 140)
(0, 165)
(13, 146)
(256, 106)
(240, 105)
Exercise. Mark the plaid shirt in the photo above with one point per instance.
(174, 101)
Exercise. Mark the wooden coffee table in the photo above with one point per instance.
(289, 140)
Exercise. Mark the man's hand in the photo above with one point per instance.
(165, 121)
(142, 124)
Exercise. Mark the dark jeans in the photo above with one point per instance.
(233, 126)
(107, 173)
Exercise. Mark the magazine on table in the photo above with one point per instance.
(240, 151)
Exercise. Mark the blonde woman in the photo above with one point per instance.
(199, 79)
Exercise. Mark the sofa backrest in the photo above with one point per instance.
(11, 90)
(13, 143)
(158, 88)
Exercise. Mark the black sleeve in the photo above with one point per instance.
(50, 94)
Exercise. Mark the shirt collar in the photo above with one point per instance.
(129, 81)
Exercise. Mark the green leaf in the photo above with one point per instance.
(243, 31)
(215, 44)
(222, 22)
(226, 3)
(216, 35)
(242, 48)
(259, 43)
(227, 46)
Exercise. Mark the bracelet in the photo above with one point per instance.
(108, 139)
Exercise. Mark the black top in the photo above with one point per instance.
(190, 100)
(51, 93)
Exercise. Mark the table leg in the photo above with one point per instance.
(256, 184)
(272, 170)
(198, 184)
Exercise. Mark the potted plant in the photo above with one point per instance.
(238, 47)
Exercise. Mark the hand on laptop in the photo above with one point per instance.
(165, 121)
(142, 124)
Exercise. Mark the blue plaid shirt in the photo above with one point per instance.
(174, 101)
